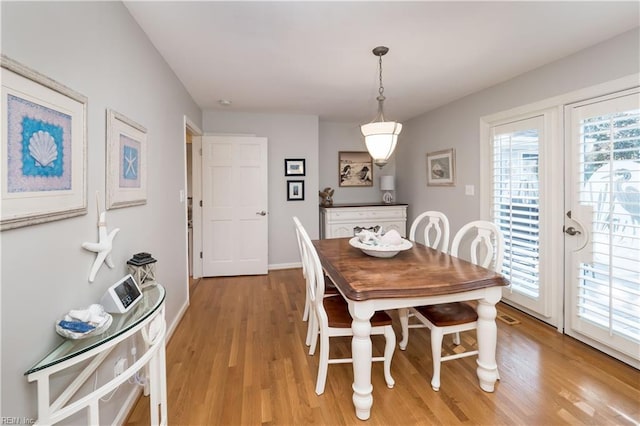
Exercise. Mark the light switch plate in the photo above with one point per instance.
(469, 190)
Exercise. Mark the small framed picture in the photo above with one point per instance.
(295, 190)
(441, 168)
(355, 168)
(126, 161)
(294, 167)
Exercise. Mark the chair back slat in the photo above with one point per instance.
(487, 244)
(437, 225)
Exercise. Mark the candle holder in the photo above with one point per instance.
(143, 268)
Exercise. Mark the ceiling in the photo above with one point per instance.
(315, 57)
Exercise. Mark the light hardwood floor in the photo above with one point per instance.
(238, 358)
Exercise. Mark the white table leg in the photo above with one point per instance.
(487, 336)
(361, 353)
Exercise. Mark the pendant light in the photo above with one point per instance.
(381, 136)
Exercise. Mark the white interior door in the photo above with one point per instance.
(603, 226)
(524, 166)
(234, 210)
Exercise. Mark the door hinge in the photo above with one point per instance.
(200, 255)
(200, 203)
(200, 152)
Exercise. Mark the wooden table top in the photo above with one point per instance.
(417, 272)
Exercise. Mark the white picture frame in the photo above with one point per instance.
(44, 148)
(441, 168)
(126, 161)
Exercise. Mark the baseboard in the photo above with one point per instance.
(277, 266)
(176, 321)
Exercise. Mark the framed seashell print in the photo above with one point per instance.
(126, 161)
(44, 148)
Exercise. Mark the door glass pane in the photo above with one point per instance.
(609, 183)
(515, 206)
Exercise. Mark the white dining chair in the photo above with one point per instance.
(436, 230)
(333, 319)
(486, 249)
(435, 235)
(330, 290)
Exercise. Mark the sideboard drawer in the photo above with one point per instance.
(340, 221)
(364, 214)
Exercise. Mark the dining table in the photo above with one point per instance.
(414, 277)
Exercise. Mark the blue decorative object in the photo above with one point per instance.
(77, 326)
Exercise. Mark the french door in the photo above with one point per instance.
(524, 165)
(566, 196)
(602, 224)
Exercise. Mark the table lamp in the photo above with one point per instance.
(386, 184)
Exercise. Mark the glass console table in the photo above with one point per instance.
(147, 318)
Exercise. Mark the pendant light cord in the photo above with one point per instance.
(380, 97)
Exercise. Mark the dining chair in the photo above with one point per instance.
(436, 225)
(436, 236)
(486, 249)
(329, 290)
(333, 319)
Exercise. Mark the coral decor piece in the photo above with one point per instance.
(326, 197)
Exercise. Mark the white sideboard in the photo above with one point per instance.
(340, 220)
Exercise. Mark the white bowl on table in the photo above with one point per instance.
(380, 250)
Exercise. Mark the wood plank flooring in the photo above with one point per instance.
(238, 358)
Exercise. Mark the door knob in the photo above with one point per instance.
(262, 213)
(572, 231)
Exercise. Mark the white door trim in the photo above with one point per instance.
(196, 194)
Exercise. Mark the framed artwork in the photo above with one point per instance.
(294, 167)
(126, 162)
(441, 168)
(295, 190)
(44, 148)
(355, 168)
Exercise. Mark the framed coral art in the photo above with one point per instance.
(44, 146)
(126, 161)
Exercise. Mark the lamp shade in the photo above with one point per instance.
(387, 183)
(381, 137)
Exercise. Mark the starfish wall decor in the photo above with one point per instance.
(102, 248)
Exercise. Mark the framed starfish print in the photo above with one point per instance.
(43, 150)
(126, 161)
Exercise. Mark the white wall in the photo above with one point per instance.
(457, 125)
(97, 49)
(335, 137)
(289, 136)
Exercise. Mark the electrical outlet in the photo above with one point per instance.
(119, 367)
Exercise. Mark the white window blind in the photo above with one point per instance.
(516, 205)
(609, 182)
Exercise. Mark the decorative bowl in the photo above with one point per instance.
(379, 250)
(76, 335)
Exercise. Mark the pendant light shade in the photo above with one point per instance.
(381, 136)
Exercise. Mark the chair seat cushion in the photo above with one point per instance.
(446, 314)
(338, 313)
